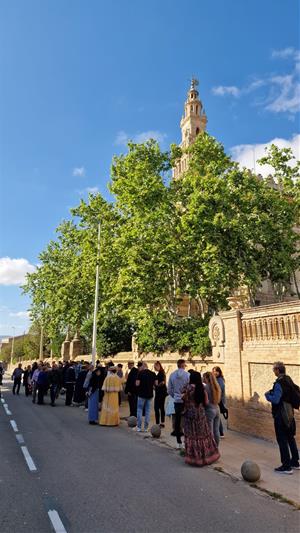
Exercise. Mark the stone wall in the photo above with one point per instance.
(246, 342)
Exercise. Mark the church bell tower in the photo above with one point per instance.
(192, 123)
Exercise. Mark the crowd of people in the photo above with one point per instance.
(195, 402)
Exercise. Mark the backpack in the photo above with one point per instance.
(295, 396)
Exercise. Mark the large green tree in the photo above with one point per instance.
(215, 229)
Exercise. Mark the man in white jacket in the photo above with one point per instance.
(178, 380)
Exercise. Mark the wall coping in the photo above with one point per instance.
(281, 308)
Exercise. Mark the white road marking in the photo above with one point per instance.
(20, 438)
(14, 425)
(28, 459)
(8, 412)
(56, 521)
(2, 400)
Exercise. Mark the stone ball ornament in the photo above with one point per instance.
(156, 431)
(132, 421)
(250, 471)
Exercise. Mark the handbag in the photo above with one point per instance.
(223, 410)
(287, 413)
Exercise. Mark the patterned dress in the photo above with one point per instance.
(200, 446)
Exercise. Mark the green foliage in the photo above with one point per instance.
(114, 335)
(18, 350)
(158, 332)
(215, 229)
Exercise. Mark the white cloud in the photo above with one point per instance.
(246, 154)
(13, 271)
(92, 190)
(88, 190)
(20, 314)
(276, 93)
(285, 96)
(223, 90)
(79, 171)
(285, 53)
(123, 138)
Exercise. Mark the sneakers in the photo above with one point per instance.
(296, 467)
(179, 446)
(283, 470)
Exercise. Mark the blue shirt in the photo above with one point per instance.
(275, 395)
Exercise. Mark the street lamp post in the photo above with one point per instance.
(41, 343)
(94, 340)
(12, 346)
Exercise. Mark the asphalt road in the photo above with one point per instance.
(90, 479)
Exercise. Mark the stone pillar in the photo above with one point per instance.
(65, 348)
(233, 353)
(75, 346)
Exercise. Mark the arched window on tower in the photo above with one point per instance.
(196, 110)
(197, 131)
(192, 108)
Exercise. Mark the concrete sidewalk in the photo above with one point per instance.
(236, 448)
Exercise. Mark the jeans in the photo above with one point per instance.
(143, 403)
(178, 412)
(286, 442)
(213, 418)
(221, 429)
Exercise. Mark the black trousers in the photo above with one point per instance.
(132, 400)
(286, 441)
(178, 412)
(42, 389)
(159, 408)
(17, 385)
(69, 393)
(34, 391)
(53, 393)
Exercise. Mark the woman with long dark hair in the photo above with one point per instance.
(200, 446)
(93, 396)
(160, 394)
(217, 371)
(212, 409)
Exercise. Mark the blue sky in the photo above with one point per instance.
(78, 78)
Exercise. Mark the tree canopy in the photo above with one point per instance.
(215, 229)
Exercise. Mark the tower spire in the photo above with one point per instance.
(192, 123)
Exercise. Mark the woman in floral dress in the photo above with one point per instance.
(200, 446)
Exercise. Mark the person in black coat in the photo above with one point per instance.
(130, 388)
(79, 392)
(27, 381)
(55, 382)
(70, 378)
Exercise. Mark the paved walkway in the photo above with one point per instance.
(236, 448)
